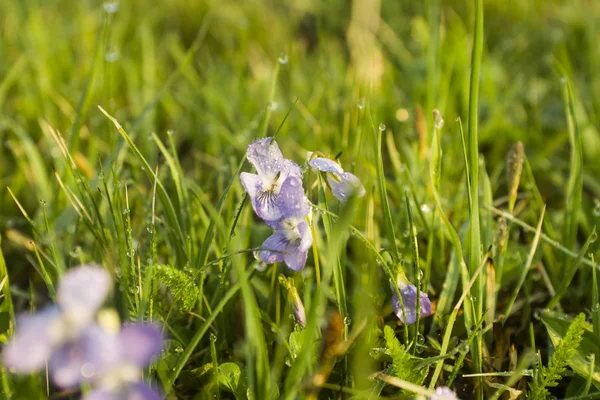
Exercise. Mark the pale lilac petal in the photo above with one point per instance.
(100, 394)
(409, 298)
(291, 200)
(82, 290)
(134, 391)
(141, 391)
(263, 154)
(35, 339)
(266, 205)
(443, 393)
(140, 343)
(266, 157)
(344, 185)
(297, 250)
(252, 183)
(276, 245)
(85, 358)
(325, 165)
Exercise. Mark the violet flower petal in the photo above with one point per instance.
(291, 200)
(31, 347)
(266, 157)
(133, 391)
(274, 246)
(140, 343)
(325, 165)
(252, 183)
(409, 298)
(85, 358)
(297, 250)
(82, 290)
(345, 184)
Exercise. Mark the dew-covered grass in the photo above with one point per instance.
(472, 125)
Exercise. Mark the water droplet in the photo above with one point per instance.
(126, 211)
(283, 58)
(170, 132)
(111, 7)
(593, 237)
(213, 338)
(347, 321)
(361, 103)
(596, 207)
(261, 266)
(438, 119)
(425, 208)
(420, 339)
(272, 105)
(537, 315)
(375, 352)
(150, 228)
(382, 127)
(43, 202)
(75, 252)
(563, 80)
(111, 55)
(130, 253)
(596, 307)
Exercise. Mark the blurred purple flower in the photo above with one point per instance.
(342, 184)
(443, 393)
(118, 360)
(266, 187)
(51, 335)
(292, 237)
(408, 292)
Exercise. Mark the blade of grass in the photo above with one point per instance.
(571, 269)
(474, 230)
(526, 267)
(381, 185)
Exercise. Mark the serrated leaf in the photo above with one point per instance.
(557, 325)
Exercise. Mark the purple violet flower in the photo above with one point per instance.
(443, 393)
(57, 334)
(266, 187)
(292, 237)
(408, 292)
(342, 183)
(118, 360)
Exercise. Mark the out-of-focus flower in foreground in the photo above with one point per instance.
(342, 184)
(118, 362)
(266, 188)
(59, 334)
(443, 393)
(408, 292)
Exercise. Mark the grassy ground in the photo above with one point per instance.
(500, 236)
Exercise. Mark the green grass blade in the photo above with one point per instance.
(526, 267)
(571, 269)
(473, 146)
